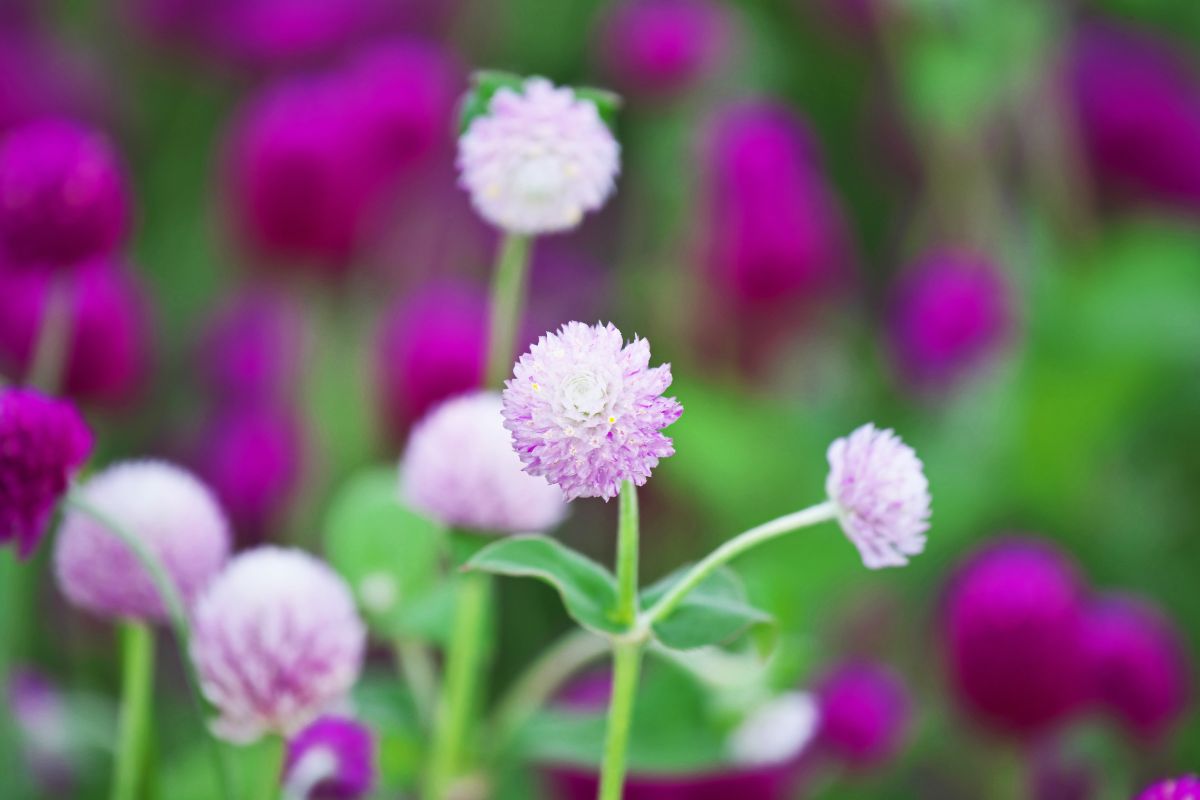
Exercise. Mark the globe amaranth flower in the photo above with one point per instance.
(171, 513)
(63, 196)
(331, 759)
(1012, 633)
(1139, 664)
(43, 442)
(1186, 787)
(586, 410)
(538, 160)
(276, 641)
(659, 47)
(878, 486)
(460, 468)
(865, 712)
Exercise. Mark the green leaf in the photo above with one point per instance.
(715, 612)
(607, 103)
(484, 84)
(588, 590)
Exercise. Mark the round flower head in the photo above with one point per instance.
(586, 410)
(662, 46)
(171, 513)
(276, 641)
(1184, 788)
(864, 713)
(460, 468)
(538, 160)
(878, 485)
(42, 443)
(331, 759)
(63, 196)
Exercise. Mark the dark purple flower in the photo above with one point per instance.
(43, 442)
(771, 782)
(662, 46)
(1186, 787)
(865, 712)
(1012, 630)
(109, 358)
(431, 347)
(1139, 664)
(63, 195)
(1139, 115)
(331, 759)
(949, 312)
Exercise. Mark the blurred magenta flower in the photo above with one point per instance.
(43, 443)
(331, 759)
(110, 355)
(44, 724)
(1139, 663)
(586, 410)
(1139, 115)
(252, 457)
(659, 47)
(1186, 787)
(430, 347)
(950, 311)
(173, 515)
(460, 469)
(277, 642)
(40, 79)
(63, 195)
(864, 714)
(1012, 628)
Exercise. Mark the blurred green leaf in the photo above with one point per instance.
(715, 612)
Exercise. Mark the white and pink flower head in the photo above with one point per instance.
(586, 410)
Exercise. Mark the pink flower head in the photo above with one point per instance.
(171, 513)
(663, 46)
(460, 468)
(586, 410)
(276, 641)
(1183, 788)
(42, 443)
(878, 485)
(331, 759)
(63, 195)
(538, 160)
(865, 711)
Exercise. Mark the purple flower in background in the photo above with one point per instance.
(1139, 115)
(1139, 664)
(1012, 625)
(252, 458)
(276, 641)
(1183, 788)
(460, 468)
(43, 442)
(882, 496)
(44, 724)
(171, 513)
(63, 195)
(586, 410)
(431, 347)
(109, 358)
(40, 79)
(949, 312)
(865, 713)
(659, 47)
(331, 759)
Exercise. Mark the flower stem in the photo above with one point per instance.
(53, 339)
(418, 671)
(627, 659)
(133, 727)
(462, 687)
(734, 548)
(174, 605)
(508, 297)
(271, 777)
(627, 555)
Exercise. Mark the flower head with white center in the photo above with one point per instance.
(539, 159)
(878, 486)
(173, 515)
(586, 410)
(460, 469)
(276, 642)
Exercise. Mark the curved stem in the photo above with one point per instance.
(627, 555)
(53, 342)
(734, 548)
(175, 611)
(508, 295)
(133, 727)
(627, 659)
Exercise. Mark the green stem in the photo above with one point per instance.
(627, 555)
(734, 548)
(508, 296)
(417, 668)
(133, 727)
(627, 659)
(465, 663)
(271, 776)
(54, 338)
(175, 611)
